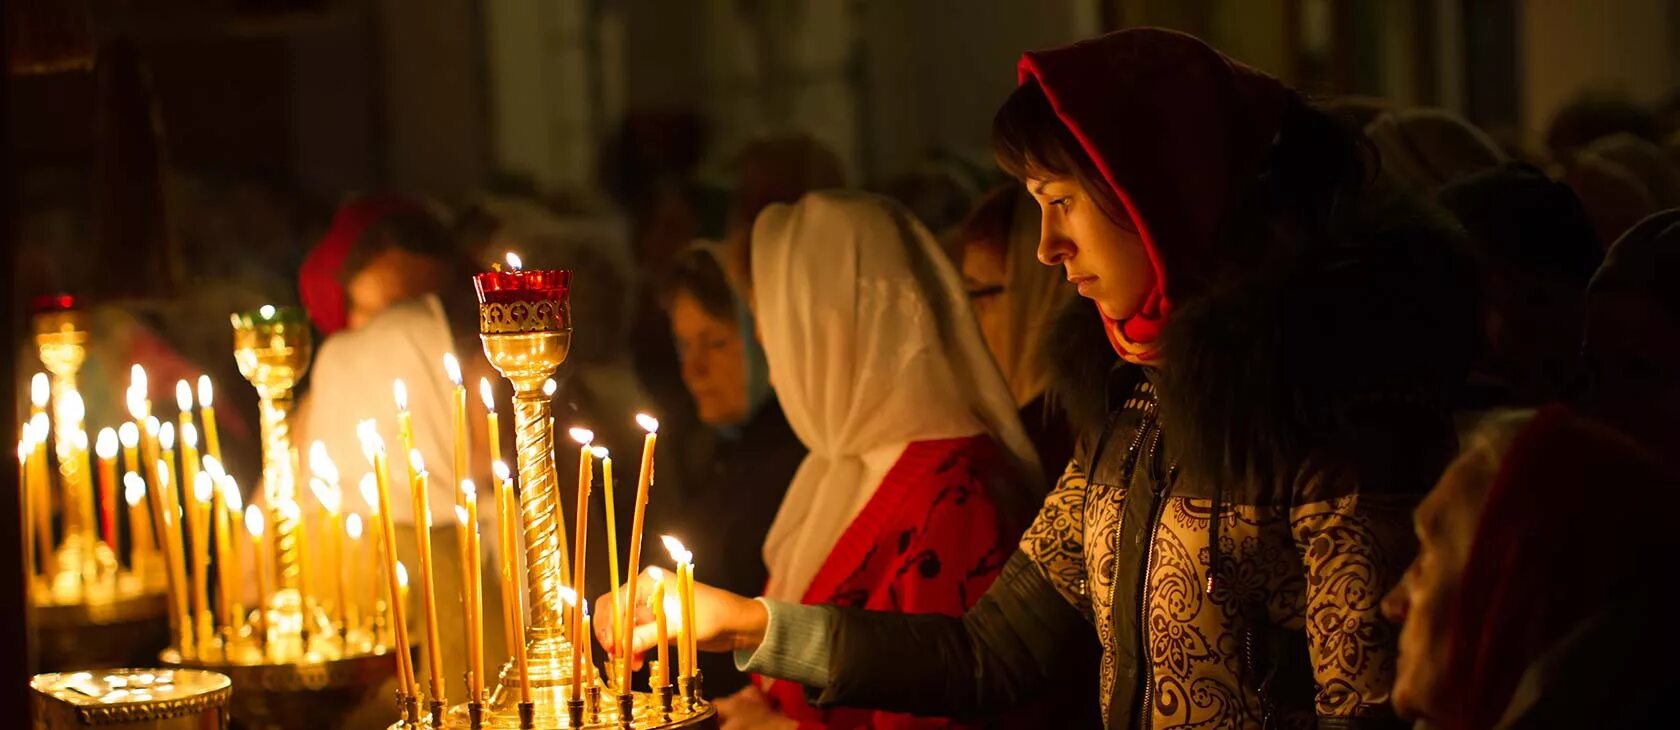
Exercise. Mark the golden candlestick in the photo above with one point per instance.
(272, 347)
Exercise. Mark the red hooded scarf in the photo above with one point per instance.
(1576, 513)
(1179, 132)
(318, 279)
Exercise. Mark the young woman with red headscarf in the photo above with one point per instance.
(1288, 342)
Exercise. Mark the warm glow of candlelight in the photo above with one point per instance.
(513, 261)
(134, 489)
(129, 435)
(676, 549)
(41, 426)
(254, 522)
(452, 368)
(328, 495)
(189, 437)
(567, 595)
(26, 443)
(582, 435)
(488, 394)
(202, 488)
(183, 395)
(38, 390)
(402, 574)
(416, 461)
(370, 492)
(206, 398)
(230, 495)
(501, 471)
(152, 427)
(549, 386)
(353, 526)
(600, 452)
(372, 443)
(166, 435)
(74, 409)
(399, 391)
(211, 465)
(322, 464)
(106, 445)
(137, 378)
(647, 422)
(461, 515)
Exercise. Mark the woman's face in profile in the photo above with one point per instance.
(1103, 258)
(714, 363)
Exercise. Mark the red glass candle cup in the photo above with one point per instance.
(513, 302)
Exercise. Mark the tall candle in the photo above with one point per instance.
(85, 498)
(688, 618)
(134, 493)
(166, 448)
(612, 539)
(207, 413)
(452, 368)
(493, 426)
(168, 514)
(40, 490)
(685, 631)
(259, 552)
(224, 555)
(326, 489)
(24, 448)
(188, 433)
(586, 475)
(106, 449)
(632, 568)
(352, 607)
(474, 598)
(405, 427)
(514, 627)
(374, 447)
(419, 484)
(198, 515)
(140, 532)
(661, 629)
(378, 609)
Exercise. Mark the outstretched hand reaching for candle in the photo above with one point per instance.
(725, 621)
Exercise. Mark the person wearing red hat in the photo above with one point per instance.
(379, 250)
(1288, 338)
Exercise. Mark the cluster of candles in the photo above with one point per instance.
(377, 490)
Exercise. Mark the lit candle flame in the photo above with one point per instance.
(134, 489)
(582, 435)
(205, 396)
(501, 472)
(656, 573)
(402, 574)
(321, 463)
(183, 395)
(513, 261)
(26, 444)
(106, 445)
(647, 422)
(488, 394)
(415, 461)
(79, 439)
(230, 495)
(267, 311)
(151, 424)
(291, 510)
(210, 464)
(38, 390)
(254, 522)
(202, 488)
(129, 434)
(166, 436)
(189, 436)
(568, 595)
(399, 390)
(676, 549)
(461, 514)
(41, 424)
(469, 490)
(600, 452)
(353, 526)
(74, 409)
(136, 403)
(368, 432)
(549, 387)
(137, 379)
(162, 474)
(452, 368)
(326, 494)
(370, 492)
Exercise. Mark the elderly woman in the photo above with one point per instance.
(1533, 601)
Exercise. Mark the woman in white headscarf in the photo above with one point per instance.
(919, 474)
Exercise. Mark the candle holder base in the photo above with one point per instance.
(527, 716)
(438, 707)
(574, 712)
(627, 710)
(125, 629)
(305, 695)
(592, 703)
(475, 715)
(665, 695)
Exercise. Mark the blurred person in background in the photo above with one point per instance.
(1538, 250)
(1593, 115)
(1532, 602)
(1632, 336)
(1424, 149)
(735, 471)
(1014, 299)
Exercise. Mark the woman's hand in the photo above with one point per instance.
(725, 621)
(749, 709)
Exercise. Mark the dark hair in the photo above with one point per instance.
(991, 219)
(414, 231)
(698, 274)
(1520, 219)
(1029, 140)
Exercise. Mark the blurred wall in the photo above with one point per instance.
(1567, 46)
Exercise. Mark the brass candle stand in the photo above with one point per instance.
(142, 699)
(89, 609)
(525, 324)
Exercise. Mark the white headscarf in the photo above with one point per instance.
(871, 346)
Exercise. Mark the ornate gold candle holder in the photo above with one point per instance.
(142, 699)
(90, 611)
(525, 324)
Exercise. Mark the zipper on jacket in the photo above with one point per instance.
(1158, 488)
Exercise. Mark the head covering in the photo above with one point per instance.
(1647, 163)
(318, 286)
(1178, 130)
(1646, 262)
(1613, 195)
(1424, 149)
(1033, 292)
(871, 346)
(1550, 551)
